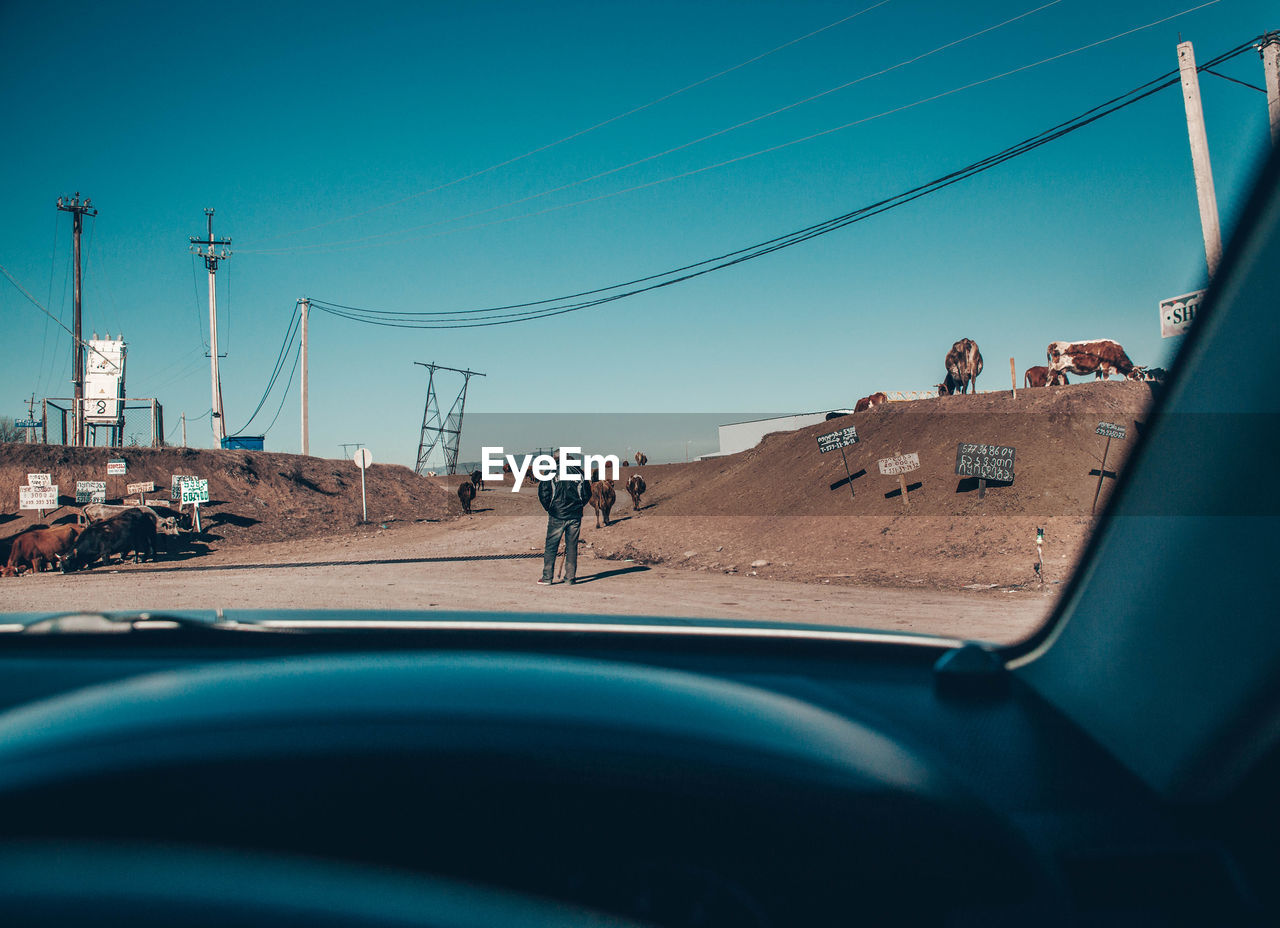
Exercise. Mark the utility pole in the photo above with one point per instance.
(211, 258)
(1208, 200)
(306, 306)
(442, 430)
(1270, 51)
(184, 430)
(77, 209)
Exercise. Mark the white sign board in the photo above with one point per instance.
(116, 468)
(91, 491)
(175, 486)
(148, 487)
(1177, 313)
(195, 490)
(39, 480)
(363, 458)
(900, 464)
(39, 497)
(103, 380)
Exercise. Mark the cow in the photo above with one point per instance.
(466, 493)
(1101, 357)
(602, 499)
(641, 459)
(1154, 374)
(36, 548)
(131, 530)
(1040, 377)
(636, 487)
(96, 512)
(870, 402)
(964, 364)
(477, 480)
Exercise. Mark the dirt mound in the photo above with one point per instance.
(254, 496)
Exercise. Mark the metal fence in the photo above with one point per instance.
(140, 426)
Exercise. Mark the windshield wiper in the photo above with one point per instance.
(98, 623)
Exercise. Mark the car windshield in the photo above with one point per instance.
(795, 314)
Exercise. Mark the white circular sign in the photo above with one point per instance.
(363, 458)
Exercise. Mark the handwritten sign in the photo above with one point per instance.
(195, 490)
(834, 441)
(1110, 430)
(38, 497)
(1177, 313)
(175, 486)
(900, 464)
(116, 467)
(39, 480)
(148, 487)
(91, 491)
(986, 462)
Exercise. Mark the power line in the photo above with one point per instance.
(284, 396)
(582, 132)
(655, 281)
(36, 303)
(661, 154)
(291, 333)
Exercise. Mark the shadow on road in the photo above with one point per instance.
(360, 563)
(605, 574)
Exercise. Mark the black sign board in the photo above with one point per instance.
(834, 441)
(986, 462)
(1110, 430)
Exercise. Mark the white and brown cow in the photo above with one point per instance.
(1040, 377)
(964, 364)
(636, 487)
(1101, 357)
(870, 402)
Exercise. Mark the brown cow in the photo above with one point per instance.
(477, 480)
(602, 499)
(41, 546)
(641, 459)
(870, 402)
(636, 487)
(466, 493)
(1040, 377)
(964, 364)
(1101, 357)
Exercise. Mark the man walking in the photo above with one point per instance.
(563, 499)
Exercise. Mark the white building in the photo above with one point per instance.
(741, 436)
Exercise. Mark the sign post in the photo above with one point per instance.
(1110, 430)
(39, 497)
(195, 491)
(363, 459)
(986, 462)
(140, 488)
(1178, 313)
(901, 464)
(91, 491)
(833, 440)
(39, 480)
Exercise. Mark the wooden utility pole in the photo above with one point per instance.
(1208, 200)
(211, 258)
(306, 306)
(77, 209)
(1270, 50)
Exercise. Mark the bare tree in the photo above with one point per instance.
(9, 431)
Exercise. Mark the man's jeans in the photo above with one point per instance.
(569, 529)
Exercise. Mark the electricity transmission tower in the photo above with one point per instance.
(442, 431)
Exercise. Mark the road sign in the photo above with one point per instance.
(116, 467)
(28, 423)
(91, 491)
(39, 480)
(1178, 312)
(987, 462)
(175, 486)
(1110, 430)
(834, 441)
(362, 458)
(195, 490)
(38, 497)
(147, 487)
(900, 464)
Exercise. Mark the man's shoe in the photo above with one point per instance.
(544, 583)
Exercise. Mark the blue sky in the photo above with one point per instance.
(289, 116)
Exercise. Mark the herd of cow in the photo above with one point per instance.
(106, 531)
(1101, 357)
(603, 495)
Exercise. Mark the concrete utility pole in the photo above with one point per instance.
(211, 258)
(184, 430)
(77, 210)
(1270, 50)
(306, 305)
(1200, 157)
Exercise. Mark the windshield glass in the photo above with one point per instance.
(845, 322)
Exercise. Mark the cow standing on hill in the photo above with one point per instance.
(1040, 377)
(466, 493)
(1101, 357)
(635, 487)
(602, 499)
(641, 459)
(964, 364)
(477, 480)
(870, 402)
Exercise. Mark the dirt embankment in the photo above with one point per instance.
(254, 496)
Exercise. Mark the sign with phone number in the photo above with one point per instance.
(986, 462)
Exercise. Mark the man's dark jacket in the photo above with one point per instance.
(564, 499)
